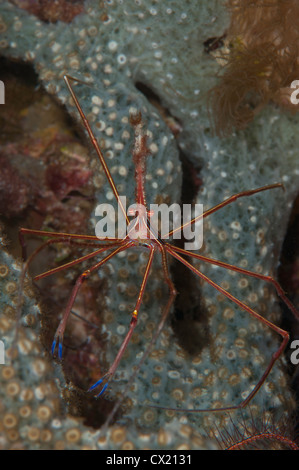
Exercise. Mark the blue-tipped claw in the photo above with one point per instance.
(99, 383)
(59, 347)
(60, 350)
(53, 347)
(103, 390)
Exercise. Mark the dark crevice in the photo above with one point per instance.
(288, 277)
(189, 321)
(13, 71)
(172, 122)
(20, 69)
(288, 272)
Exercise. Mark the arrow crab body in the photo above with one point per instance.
(141, 232)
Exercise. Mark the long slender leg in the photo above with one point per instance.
(107, 377)
(275, 355)
(222, 204)
(56, 237)
(25, 269)
(95, 144)
(59, 268)
(165, 313)
(231, 267)
(62, 235)
(76, 261)
(58, 338)
(66, 235)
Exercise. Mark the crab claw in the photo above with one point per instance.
(60, 339)
(106, 378)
